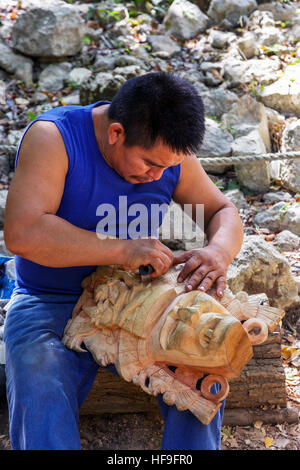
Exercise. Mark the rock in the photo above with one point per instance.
(16, 64)
(287, 241)
(10, 147)
(259, 20)
(179, 232)
(163, 46)
(248, 45)
(237, 198)
(218, 101)
(213, 73)
(281, 216)
(48, 29)
(290, 169)
(290, 219)
(185, 20)
(4, 165)
(3, 197)
(2, 94)
(196, 79)
(276, 123)
(216, 143)
(103, 63)
(280, 11)
(3, 249)
(284, 94)
(270, 218)
(294, 33)
(269, 36)
(103, 86)
(253, 175)
(245, 116)
(277, 196)
(230, 10)
(53, 77)
(262, 71)
(79, 75)
(260, 268)
(219, 39)
(72, 99)
(129, 71)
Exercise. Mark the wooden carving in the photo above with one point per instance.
(146, 327)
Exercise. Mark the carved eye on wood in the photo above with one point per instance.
(206, 334)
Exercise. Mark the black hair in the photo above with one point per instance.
(160, 105)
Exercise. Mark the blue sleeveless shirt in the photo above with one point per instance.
(90, 182)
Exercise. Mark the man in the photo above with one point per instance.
(71, 160)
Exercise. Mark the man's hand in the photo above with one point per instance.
(143, 251)
(203, 267)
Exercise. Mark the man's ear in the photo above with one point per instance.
(116, 133)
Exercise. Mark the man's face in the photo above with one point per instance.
(138, 165)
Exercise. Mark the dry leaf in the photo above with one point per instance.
(268, 442)
(258, 424)
(289, 353)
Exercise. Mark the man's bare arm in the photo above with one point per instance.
(33, 231)
(223, 227)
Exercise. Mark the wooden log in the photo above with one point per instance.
(245, 417)
(262, 381)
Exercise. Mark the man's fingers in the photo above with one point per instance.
(190, 266)
(181, 258)
(221, 285)
(211, 278)
(161, 265)
(204, 273)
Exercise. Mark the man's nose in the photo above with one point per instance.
(155, 173)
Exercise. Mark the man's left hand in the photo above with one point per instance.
(203, 267)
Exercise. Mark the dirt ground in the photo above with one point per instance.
(139, 431)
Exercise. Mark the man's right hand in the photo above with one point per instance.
(143, 251)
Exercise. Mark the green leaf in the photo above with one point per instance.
(87, 40)
(219, 184)
(31, 115)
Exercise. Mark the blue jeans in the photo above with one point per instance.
(47, 383)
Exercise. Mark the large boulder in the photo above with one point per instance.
(185, 20)
(259, 267)
(48, 29)
(229, 12)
